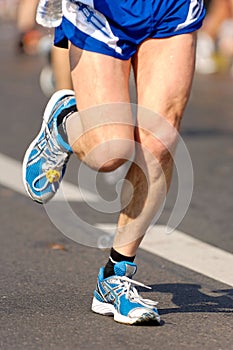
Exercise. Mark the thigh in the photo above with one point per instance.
(98, 78)
(101, 87)
(164, 71)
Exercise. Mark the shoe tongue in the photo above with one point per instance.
(125, 268)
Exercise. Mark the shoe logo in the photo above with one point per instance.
(109, 293)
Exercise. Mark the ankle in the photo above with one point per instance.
(114, 258)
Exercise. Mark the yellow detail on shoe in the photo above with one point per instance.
(53, 175)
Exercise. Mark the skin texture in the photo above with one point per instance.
(61, 68)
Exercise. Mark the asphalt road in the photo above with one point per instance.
(45, 294)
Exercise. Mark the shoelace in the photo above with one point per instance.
(132, 293)
(56, 157)
(54, 162)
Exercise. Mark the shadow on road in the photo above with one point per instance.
(190, 298)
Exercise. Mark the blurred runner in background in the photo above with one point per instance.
(215, 40)
(8, 9)
(29, 34)
(29, 42)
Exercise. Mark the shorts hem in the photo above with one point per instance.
(68, 32)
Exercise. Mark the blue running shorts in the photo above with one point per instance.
(117, 27)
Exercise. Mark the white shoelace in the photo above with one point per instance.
(132, 293)
(55, 160)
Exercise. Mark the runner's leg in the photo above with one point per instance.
(100, 81)
(164, 70)
(61, 68)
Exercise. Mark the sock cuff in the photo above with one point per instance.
(116, 257)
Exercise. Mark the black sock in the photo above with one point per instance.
(61, 121)
(115, 257)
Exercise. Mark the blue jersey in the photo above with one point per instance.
(117, 27)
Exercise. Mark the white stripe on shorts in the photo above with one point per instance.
(90, 22)
(195, 10)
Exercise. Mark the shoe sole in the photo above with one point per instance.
(109, 310)
(47, 112)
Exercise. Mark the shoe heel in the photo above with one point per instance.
(102, 308)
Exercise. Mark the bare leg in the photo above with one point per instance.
(61, 68)
(28, 34)
(100, 81)
(164, 70)
(219, 11)
(26, 15)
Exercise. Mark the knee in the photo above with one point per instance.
(160, 145)
(111, 154)
(155, 156)
(110, 165)
(104, 155)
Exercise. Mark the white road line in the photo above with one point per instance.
(191, 253)
(177, 247)
(11, 174)
(11, 177)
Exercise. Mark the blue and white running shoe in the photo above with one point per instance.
(45, 160)
(116, 296)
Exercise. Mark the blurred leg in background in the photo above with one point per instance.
(217, 27)
(28, 32)
(61, 68)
